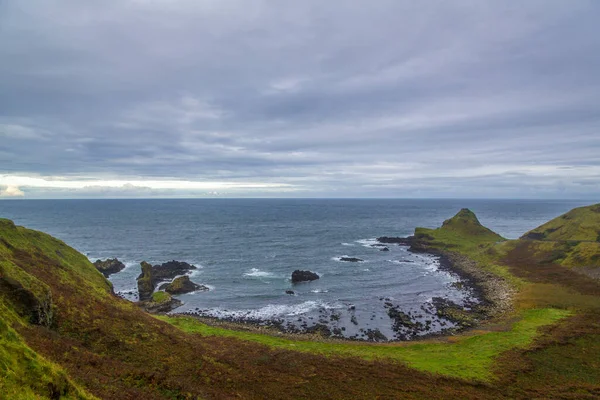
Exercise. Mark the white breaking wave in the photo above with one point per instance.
(367, 242)
(319, 291)
(255, 272)
(348, 244)
(270, 311)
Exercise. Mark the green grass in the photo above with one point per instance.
(579, 224)
(24, 374)
(468, 357)
(161, 297)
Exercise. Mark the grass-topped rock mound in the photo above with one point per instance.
(181, 285)
(464, 229)
(160, 302)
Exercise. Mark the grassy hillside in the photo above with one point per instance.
(579, 224)
(63, 334)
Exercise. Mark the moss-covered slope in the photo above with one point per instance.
(571, 240)
(579, 224)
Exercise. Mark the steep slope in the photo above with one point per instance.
(579, 224)
(571, 240)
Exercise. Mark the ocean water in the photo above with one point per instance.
(246, 250)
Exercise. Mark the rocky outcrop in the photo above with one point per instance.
(36, 307)
(145, 282)
(170, 270)
(182, 285)
(407, 241)
(160, 303)
(109, 266)
(303, 276)
(351, 259)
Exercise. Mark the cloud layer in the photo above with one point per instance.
(277, 98)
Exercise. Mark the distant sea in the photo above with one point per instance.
(246, 250)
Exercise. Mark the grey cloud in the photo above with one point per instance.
(387, 98)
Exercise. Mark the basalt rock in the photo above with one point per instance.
(160, 302)
(407, 241)
(170, 270)
(145, 282)
(37, 307)
(351, 259)
(109, 266)
(182, 285)
(303, 276)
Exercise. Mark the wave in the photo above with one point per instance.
(319, 291)
(257, 273)
(348, 244)
(270, 311)
(367, 242)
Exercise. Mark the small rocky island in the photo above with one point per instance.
(303, 276)
(152, 275)
(109, 266)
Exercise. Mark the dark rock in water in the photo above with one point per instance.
(160, 302)
(407, 241)
(376, 335)
(400, 318)
(145, 282)
(384, 249)
(290, 292)
(170, 270)
(109, 266)
(303, 276)
(351, 259)
(182, 285)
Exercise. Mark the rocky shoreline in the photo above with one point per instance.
(495, 292)
(491, 297)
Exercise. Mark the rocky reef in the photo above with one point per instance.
(109, 266)
(170, 270)
(181, 285)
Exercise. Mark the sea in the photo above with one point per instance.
(245, 251)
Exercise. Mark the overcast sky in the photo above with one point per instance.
(204, 98)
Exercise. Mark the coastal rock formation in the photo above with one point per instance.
(109, 266)
(384, 249)
(145, 282)
(407, 241)
(303, 276)
(36, 307)
(160, 302)
(181, 285)
(351, 259)
(170, 270)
